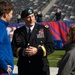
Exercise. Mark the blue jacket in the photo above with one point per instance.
(6, 55)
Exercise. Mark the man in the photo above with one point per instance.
(6, 56)
(39, 16)
(32, 47)
(58, 14)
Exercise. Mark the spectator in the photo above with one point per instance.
(32, 50)
(6, 56)
(67, 64)
(19, 18)
(58, 14)
(39, 16)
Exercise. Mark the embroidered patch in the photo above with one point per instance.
(30, 11)
(46, 26)
(40, 34)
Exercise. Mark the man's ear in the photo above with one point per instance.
(4, 15)
(23, 19)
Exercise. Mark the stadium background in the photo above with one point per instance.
(48, 8)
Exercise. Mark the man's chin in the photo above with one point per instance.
(32, 24)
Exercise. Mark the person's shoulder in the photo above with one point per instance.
(2, 24)
(20, 29)
(71, 49)
(42, 26)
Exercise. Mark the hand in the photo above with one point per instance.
(30, 51)
(9, 69)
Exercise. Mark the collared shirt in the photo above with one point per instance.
(30, 28)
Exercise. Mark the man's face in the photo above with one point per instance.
(30, 20)
(9, 16)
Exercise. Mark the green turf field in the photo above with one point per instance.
(53, 58)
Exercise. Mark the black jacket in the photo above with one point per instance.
(37, 64)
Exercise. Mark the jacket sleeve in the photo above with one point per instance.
(66, 65)
(3, 63)
(48, 47)
(16, 45)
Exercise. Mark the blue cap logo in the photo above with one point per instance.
(29, 11)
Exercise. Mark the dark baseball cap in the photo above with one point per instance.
(26, 12)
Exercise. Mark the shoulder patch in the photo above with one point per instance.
(46, 26)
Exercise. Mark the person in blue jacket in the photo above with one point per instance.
(6, 55)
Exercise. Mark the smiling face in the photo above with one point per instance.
(30, 20)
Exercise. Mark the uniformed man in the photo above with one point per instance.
(31, 44)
